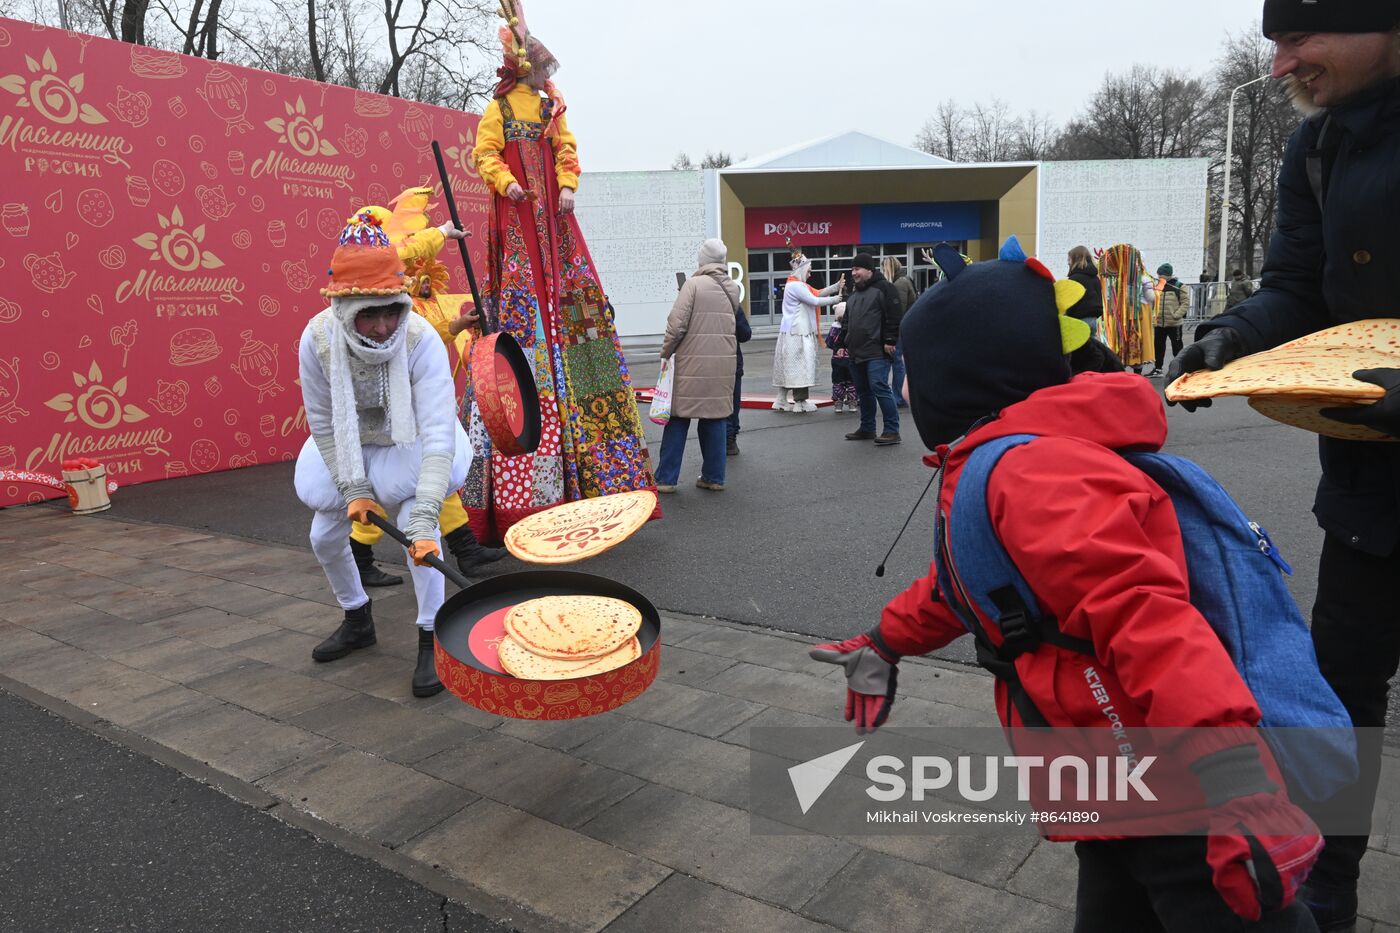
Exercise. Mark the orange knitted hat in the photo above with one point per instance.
(365, 262)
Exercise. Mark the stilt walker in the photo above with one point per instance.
(543, 287)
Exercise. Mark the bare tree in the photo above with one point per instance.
(682, 163)
(313, 43)
(133, 22)
(1034, 135)
(945, 133)
(197, 28)
(1264, 121)
(991, 131)
(1144, 113)
(429, 38)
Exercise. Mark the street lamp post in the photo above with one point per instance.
(1225, 193)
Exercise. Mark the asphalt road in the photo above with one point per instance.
(793, 541)
(94, 837)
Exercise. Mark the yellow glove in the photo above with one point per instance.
(422, 549)
(359, 509)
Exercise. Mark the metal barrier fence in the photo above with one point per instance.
(1207, 300)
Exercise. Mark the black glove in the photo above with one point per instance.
(1383, 415)
(1212, 351)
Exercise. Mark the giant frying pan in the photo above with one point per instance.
(470, 625)
(503, 382)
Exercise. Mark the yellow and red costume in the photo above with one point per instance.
(543, 287)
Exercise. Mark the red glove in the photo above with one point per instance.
(1261, 847)
(872, 671)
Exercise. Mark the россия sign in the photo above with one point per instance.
(850, 224)
(804, 226)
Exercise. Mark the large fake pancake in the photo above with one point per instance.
(573, 627)
(1318, 371)
(526, 665)
(577, 530)
(1306, 412)
(1382, 333)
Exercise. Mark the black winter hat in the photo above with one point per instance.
(985, 337)
(863, 261)
(1330, 16)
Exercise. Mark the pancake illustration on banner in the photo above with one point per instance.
(1294, 382)
(578, 530)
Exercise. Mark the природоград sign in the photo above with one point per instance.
(165, 225)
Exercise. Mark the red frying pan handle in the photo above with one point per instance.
(451, 573)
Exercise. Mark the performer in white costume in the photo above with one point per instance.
(384, 434)
(795, 356)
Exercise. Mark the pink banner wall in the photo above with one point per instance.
(165, 227)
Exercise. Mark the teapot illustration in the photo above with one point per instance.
(131, 106)
(257, 365)
(417, 128)
(227, 97)
(213, 201)
(297, 275)
(47, 272)
(9, 391)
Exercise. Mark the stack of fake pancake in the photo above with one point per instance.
(562, 637)
(1295, 381)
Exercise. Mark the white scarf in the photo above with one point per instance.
(391, 358)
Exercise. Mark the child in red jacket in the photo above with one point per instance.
(988, 352)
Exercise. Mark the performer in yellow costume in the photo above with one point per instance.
(418, 245)
(543, 287)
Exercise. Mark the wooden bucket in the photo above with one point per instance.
(87, 490)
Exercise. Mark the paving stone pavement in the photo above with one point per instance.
(634, 820)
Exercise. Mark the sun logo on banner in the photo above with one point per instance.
(302, 131)
(49, 94)
(95, 404)
(461, 154)
(180, 248)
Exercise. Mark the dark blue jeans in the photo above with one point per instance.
(897, 374)
(711, 431)
(872, 379)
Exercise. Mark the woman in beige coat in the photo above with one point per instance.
(700, 343)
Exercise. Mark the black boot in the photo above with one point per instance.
(469, 553)
(425, 678)
(370, 575)
(357, 631)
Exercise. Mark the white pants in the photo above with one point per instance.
(393, 472)
(330, 539)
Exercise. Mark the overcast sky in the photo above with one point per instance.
(646, 79)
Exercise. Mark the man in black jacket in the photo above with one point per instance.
(872, 326)
(1334, 258)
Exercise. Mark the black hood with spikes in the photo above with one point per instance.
(985, 337)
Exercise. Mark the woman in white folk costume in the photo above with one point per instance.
(795, 356)
(378, 394)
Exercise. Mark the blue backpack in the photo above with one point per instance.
(1236, 584)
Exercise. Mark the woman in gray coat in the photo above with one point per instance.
(701, 345)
